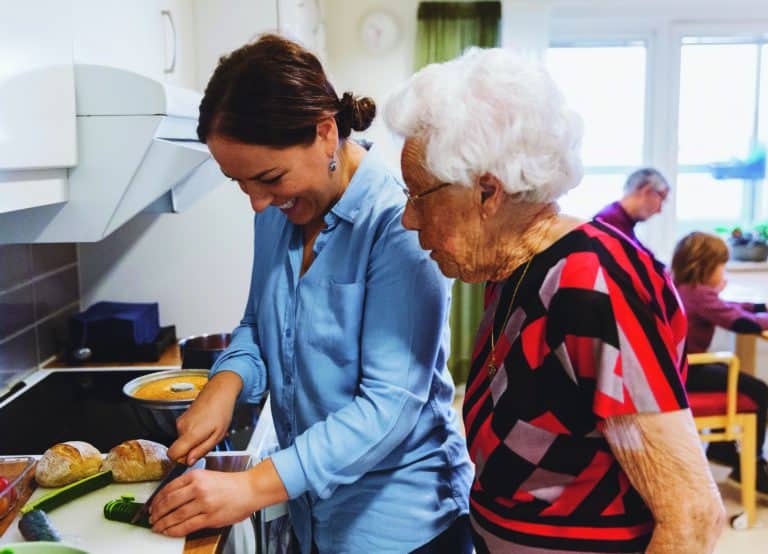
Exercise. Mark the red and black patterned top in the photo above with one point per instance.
(596, 331)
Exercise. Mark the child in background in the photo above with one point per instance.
(698, 269)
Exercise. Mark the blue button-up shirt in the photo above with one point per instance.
(353, 354)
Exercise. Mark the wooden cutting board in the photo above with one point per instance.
(81, 523)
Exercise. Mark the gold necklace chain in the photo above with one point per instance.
(492, 367)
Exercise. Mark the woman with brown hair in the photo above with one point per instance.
(344, 327)
(698, 267)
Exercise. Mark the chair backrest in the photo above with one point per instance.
(732, 361)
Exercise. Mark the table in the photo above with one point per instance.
(746, 344)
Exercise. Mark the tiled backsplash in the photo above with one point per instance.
(38, 294)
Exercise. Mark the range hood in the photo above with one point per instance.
(137, 146)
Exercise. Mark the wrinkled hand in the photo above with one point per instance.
(206, 421)
(200, 499)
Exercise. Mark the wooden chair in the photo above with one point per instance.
(729, 416)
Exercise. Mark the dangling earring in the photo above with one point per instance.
(332, 165)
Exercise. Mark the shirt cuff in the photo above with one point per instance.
(289, 469)
(242, 367)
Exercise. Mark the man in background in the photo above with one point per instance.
(645, 191)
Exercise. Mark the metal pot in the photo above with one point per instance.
(202, 351)
(159, 416)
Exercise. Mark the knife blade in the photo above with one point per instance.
(177, 469)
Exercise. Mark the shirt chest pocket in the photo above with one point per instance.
(331, 319)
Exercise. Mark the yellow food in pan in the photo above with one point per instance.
(172, 388)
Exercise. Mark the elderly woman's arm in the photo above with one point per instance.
(663, 459)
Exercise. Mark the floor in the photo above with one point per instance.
(748, 541)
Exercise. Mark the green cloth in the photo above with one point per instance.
(444, 31)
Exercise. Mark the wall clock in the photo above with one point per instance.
(379, 31)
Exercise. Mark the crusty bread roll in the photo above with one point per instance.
(66, 462)
(137, 460)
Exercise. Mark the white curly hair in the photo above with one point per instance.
(496, 111)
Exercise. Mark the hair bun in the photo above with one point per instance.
(354, 113)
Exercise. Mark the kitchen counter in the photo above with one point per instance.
(170, 359)
(209, 541)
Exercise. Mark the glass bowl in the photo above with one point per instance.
(18, 471)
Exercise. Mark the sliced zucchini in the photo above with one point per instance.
(35, 526)
(123, 509)
(61, 496)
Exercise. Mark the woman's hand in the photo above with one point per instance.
(200, 499)
(206, 421)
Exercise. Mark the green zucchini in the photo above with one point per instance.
(61, 496)
(35, 526)
(123, 509)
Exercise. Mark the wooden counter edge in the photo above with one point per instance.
(171, 357)
(207, 541)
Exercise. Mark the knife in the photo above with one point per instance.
(176, 470)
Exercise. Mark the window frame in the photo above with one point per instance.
(751, 196)
(663, 37)
(612, 39)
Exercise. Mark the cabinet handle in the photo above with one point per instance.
(172, 66)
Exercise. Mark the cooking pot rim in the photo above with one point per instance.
(134, 383)
(223, 337)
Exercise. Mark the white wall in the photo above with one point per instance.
(351, 67)
(196, 264)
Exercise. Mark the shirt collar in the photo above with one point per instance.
(350, 202)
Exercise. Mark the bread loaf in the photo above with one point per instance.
(67, 462)
(137, 460)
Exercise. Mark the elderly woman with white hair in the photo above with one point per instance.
(576, 416)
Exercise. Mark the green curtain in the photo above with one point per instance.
(445, 30)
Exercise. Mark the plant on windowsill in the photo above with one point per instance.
(749, 246)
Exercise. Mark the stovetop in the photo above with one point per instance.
(81, 405)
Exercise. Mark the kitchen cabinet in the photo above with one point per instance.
(224, 25)
(121, 34)
(179, 43)
(37, 104)
(151, 37)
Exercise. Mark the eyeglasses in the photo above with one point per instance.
(413, 197)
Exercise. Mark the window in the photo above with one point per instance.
(721, 119)
(605, 83)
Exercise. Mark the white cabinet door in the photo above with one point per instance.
(37, 90)
(120, 33)
(179, 43)
(224, 25)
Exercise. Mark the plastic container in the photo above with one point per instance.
(749, 252)
(18, 472)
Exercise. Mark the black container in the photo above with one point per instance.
(202, 351)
